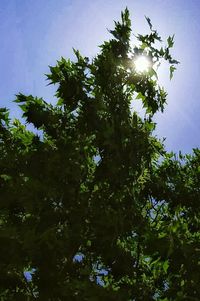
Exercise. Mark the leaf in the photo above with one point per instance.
(171, 61)
(5, 177)
(20, 98)
(172, 69)
(152, 73)
(60, 102)
(150, 126)
(149, 22)
(140, 96)
(182, 282)
(170, 41)
(162, 52)
(144, 45)
(23, 107)
(4, 115)
(165, 266)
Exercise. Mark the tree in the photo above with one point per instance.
(92, 204)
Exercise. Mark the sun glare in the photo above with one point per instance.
(142, 64)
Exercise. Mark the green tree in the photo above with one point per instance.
(92, 203)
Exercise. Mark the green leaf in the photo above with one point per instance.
(170, 41)
(5, 177)
(4, 115)
(165, 266)
(144, 46)
(140, 96)
(152, 73)
(60, 102)
(172, 69)
(182, 282)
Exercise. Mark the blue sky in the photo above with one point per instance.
(35, 33)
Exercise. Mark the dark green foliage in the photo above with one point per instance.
(92, 204)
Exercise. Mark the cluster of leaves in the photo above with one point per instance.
(94, 206)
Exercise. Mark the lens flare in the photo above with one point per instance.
(142, 64)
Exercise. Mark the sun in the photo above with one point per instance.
(142, 64)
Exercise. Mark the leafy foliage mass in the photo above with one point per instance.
(91, 204)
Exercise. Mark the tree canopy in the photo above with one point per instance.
(91, 203)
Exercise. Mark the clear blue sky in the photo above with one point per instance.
(35, 33)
